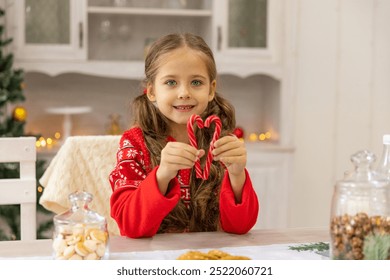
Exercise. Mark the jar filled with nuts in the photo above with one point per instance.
(80, 233)
(360, 209)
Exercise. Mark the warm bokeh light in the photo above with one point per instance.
(262, 137)
(43, 142)
(57, 135)
(47, 143)
(253, 137)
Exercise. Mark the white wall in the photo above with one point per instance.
(340, 67)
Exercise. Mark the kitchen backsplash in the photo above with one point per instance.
(256, 100)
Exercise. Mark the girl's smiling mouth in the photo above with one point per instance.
(184, 107)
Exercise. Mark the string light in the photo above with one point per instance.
(47, 143)
(253, 137)
(265, 136)
(262, 137)
(42, 141)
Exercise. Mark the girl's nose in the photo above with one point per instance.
(184, 93)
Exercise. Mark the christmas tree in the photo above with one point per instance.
(12, 122)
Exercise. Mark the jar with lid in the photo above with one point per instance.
(360, 210)
(384, 162)
(80, 233)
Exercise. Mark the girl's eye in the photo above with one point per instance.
(171, 83)
(196, 83)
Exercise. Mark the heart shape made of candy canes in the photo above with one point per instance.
(217, 132)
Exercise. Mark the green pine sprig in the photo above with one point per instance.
(377, 247)
(318, 247)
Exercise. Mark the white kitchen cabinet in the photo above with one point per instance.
(110, 37)
(271, 175)
(248, 36)
(44, 30)
(124, 32)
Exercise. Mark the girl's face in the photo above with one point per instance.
(182, 86)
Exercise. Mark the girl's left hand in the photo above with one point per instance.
(232, 153)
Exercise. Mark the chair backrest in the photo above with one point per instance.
(21, 190)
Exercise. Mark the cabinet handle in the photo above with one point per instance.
(81, 35)
(219, 38)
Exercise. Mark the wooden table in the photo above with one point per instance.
(177, 241)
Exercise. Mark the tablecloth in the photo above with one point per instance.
(266, 252)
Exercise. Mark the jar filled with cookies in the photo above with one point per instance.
(360, 212)
(80, 233)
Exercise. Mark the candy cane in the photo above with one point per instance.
(190, 129)
(194, 143)
(217, 132)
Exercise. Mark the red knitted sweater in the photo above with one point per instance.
(138, 206)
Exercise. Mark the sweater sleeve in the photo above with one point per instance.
(137, 204)
(238, 218)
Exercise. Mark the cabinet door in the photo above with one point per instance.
(123, 30)
(247, 29)
(270, 173)
(50, 29)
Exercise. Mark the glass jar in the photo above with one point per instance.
(80, 233)
(384, 162)
(360, 210)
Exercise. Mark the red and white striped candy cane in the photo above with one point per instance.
(217, 133)
(193, 142)
(190, 129)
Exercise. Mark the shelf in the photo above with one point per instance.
(268, 148)
(110, 69)
(150, 12)
(135, 69)
(245, 70)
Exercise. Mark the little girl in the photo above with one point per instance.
(155, 189)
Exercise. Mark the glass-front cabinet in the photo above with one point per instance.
(242, 25)
(248, 34)
(49, 29)
(110, 37)
(122, 30)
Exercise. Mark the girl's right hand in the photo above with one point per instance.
(175, 156)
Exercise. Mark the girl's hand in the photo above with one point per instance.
(175, 156)
(232, 153)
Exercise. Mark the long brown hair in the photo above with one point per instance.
(203, 214)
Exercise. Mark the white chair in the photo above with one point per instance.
(21, 190)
